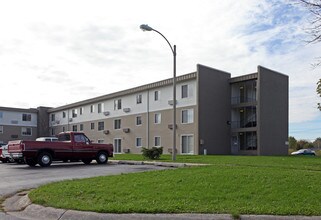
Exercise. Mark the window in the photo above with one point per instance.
(187, 116)
(117, 104)
(63, 129)
(64, 114)
(1, 114)
(81, 111)
(81, 127)
(101, 125)
(139, 98)
(100, 107)
(184, 91)
(53, 116)
(157, 118)
(100, 141)
(74, 113)
(157, 141)
(138, 142)
(117, 123)
(74, 128)
(26, 117)
(92, 126)
(139, 120)
(187, 142)
(156, 95)
(1, 129)
(92, 109)
(26, 131)
(117, 145)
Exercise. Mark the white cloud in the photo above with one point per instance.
(59, 52)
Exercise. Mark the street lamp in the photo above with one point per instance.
(145, 27)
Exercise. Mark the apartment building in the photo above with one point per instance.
(18, 123)
(216, 114)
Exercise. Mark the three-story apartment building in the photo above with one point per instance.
(216, 114)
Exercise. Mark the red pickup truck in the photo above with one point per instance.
(70, 146)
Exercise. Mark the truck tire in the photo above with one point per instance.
(101, 158)
(86, 161)
(31, 162)
(44, 159)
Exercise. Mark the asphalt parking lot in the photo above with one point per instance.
(15, 177)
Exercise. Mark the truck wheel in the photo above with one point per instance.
(31, 162)
(44, 159)
(86, 161)
(101, 158)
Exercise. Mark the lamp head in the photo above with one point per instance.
(145, 27)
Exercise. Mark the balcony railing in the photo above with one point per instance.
(240, 99)
(243, 124)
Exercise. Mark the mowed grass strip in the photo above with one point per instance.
(247, 186)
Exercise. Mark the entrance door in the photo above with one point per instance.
(187, 144)
(117, 145)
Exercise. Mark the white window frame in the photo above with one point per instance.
(81, 127)
(117, 104)
(190, 116)
(74, 113)
(160, 141)
(63, 114)
(193, 143)
(100, 141)
(156, 95)
(92, 126)
(139, 144)
(100, 107)
(92, 108)
(99, 128)
(157, 118)
(74, 128)
(81, 110)
(26, 117)
(52, 117)
(118, 128)
(24, 131)
(141, 121)
(184, 93)
(139, 99)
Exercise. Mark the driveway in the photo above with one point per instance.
(15, 177)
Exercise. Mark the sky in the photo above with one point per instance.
(56, 52)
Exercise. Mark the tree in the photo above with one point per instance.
(317, 143)
(314, 7)
(303, 144)
(292, 142)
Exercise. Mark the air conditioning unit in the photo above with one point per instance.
(170, 126)
(126, 130)
(126, 151)
(106, 113)
(171, 102)
(126, 110)
(106, 131)
(57, 122)
(70, 119)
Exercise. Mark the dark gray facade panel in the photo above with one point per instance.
(43, 122)
(214, 110)
(273, 116)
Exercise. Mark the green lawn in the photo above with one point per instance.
(231, 184)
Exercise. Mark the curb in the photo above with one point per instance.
(155, 163)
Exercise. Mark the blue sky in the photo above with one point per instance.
(67, 51)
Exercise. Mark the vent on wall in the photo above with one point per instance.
(70, 119)
(57, 122)
(106, 131)
(171, 102)
(106, 113)
(170, 126)
(126, 130)
(126, 110)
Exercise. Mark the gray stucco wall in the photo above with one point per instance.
(214, 110)
(273, 102)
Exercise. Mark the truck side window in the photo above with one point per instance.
(64, 137)
(79, 138)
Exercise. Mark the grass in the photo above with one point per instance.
(231, 184)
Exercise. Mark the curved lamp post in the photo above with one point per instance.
(145, 27)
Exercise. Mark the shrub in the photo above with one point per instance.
(153, 153)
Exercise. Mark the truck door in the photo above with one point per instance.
(82, 147)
